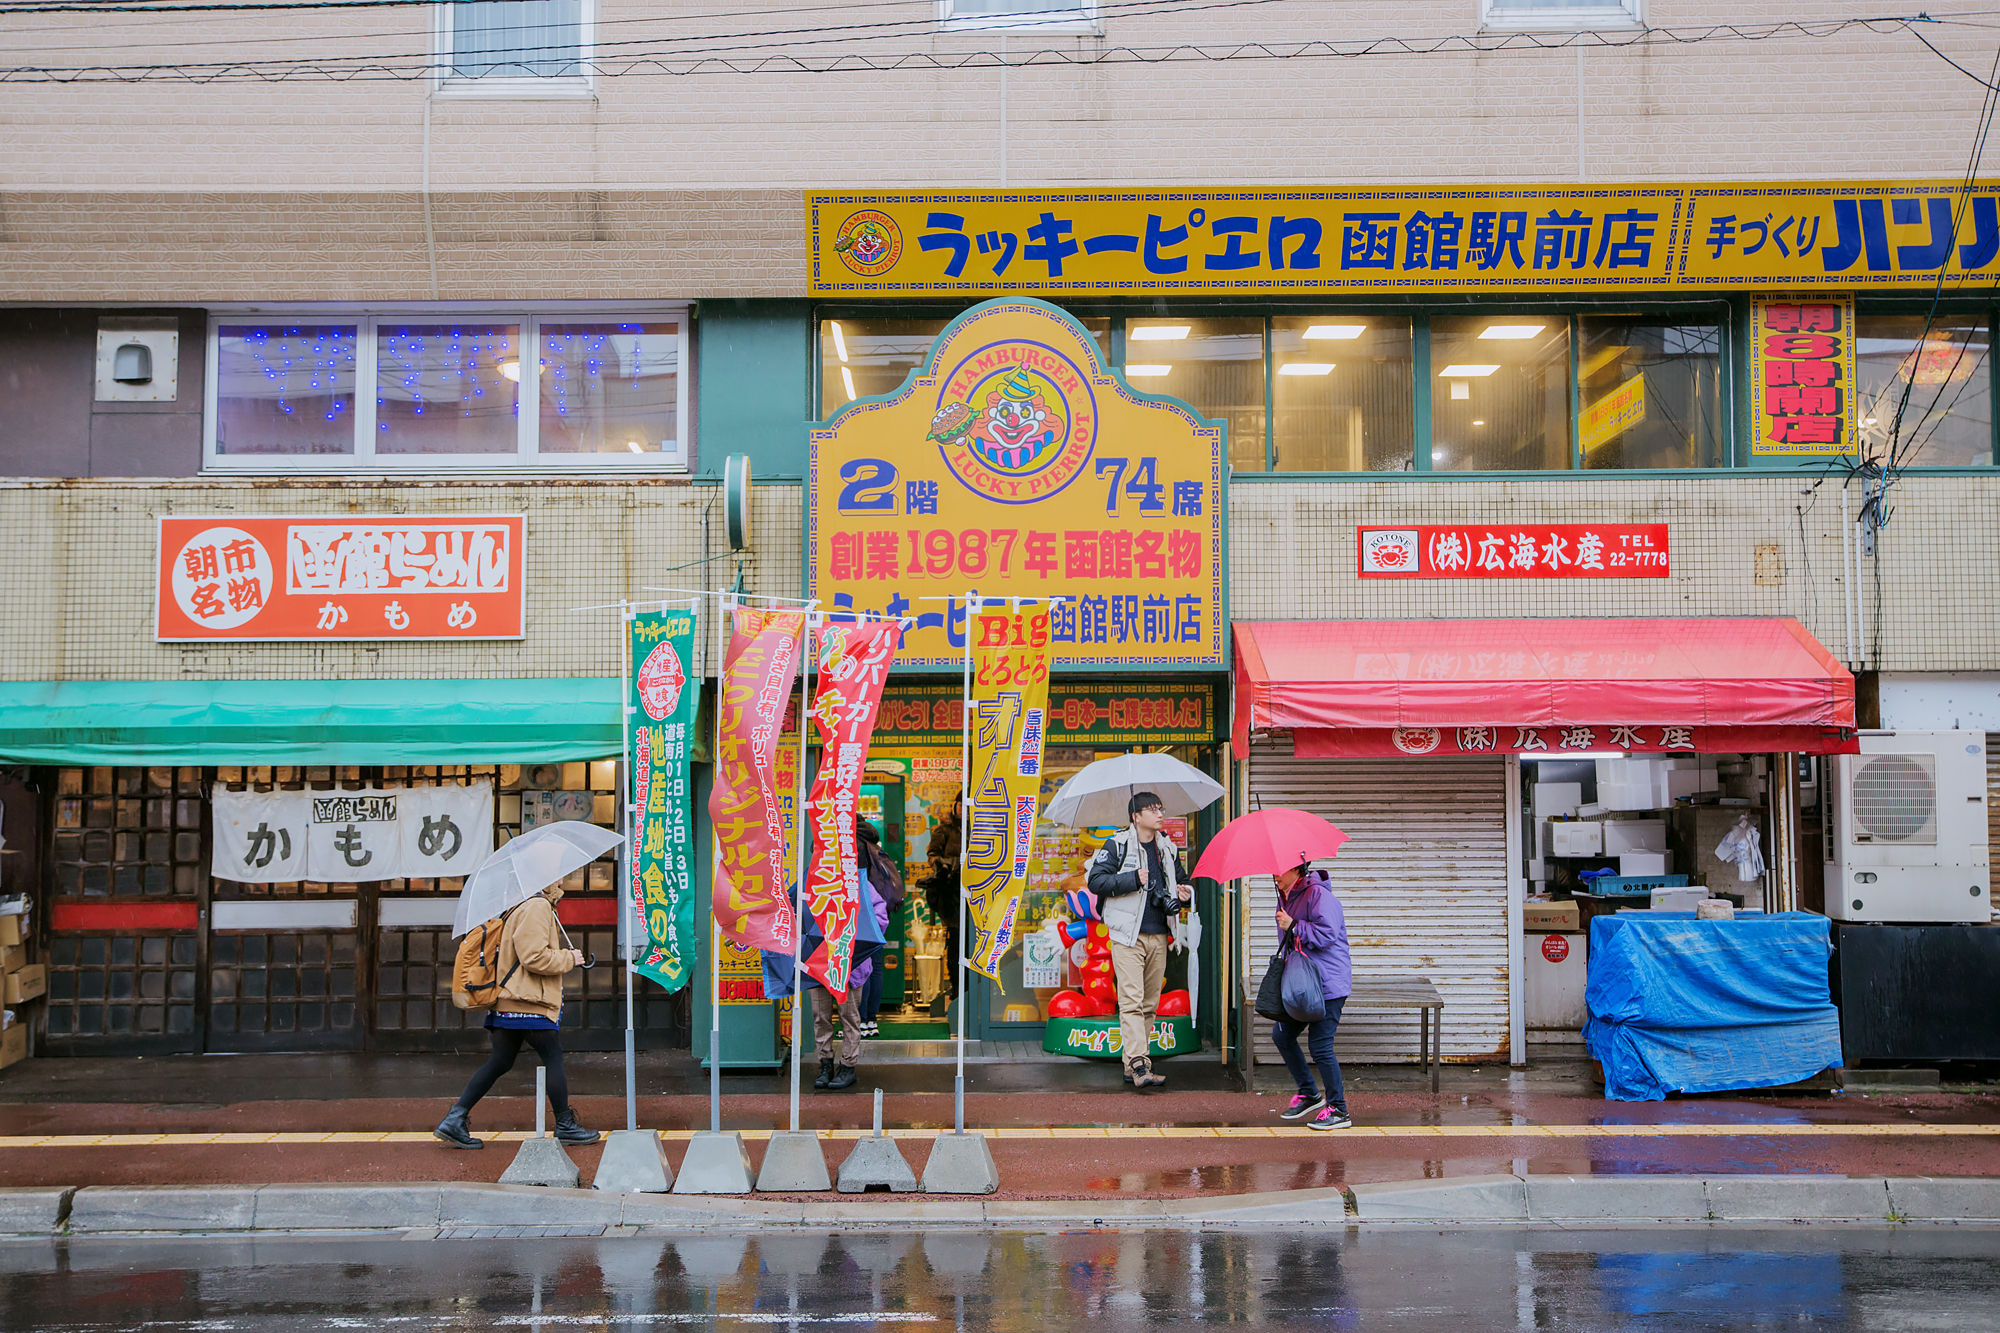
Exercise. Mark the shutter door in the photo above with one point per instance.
(1423, 884)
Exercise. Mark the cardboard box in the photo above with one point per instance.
(14, 1044)
(10, 930)
(1634, 835)
(1646, 863)
(13, 957)
(1570, 837)
(27, 984)
(1551, 917)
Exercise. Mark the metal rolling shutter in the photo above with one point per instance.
(1423, 883)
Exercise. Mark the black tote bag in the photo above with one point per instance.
(1271, 991)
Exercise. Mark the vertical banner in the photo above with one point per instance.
(1802, 376)
(854, 666)
(662, 645)
(1007, 715)
(751, 896)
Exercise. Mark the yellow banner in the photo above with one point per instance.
(1012, 463)
(1442, 238)
(1613, 414)
(1802, 380)
(1008, 715)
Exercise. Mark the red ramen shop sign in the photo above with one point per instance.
(1515, 551)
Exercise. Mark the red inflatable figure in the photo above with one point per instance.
(1100, 988)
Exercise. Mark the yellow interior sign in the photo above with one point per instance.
(1012, 463)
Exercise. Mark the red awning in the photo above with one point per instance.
(1385, 676)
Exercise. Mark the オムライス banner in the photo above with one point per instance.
(662, 645)
(1007, 713)
(752, 904)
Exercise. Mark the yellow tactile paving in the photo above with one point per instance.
(1737, 1130)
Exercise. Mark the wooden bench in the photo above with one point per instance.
(1419, 995)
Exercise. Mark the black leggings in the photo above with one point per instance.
(506, 1046)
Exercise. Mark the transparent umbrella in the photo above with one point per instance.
(524, 867)
(1098, 793)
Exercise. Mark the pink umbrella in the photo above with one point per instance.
(1265, 842)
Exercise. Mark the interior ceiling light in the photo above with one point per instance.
(847, 382)
(1478, 423)
(1306, 368)
(637, 448)
(1466, 372)
(1147, 372)
(1159, 333)
(1336, 330)
(512, 370)
(839, 342)
(1461, 391)
(1512, 332)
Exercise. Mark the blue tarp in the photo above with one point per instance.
(1681, 1005)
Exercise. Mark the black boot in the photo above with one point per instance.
(843, 1078)
(825, 1074)
(456, 1130)
(570, 1132)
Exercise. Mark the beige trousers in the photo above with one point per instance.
(850, 1026)
(1139, 969)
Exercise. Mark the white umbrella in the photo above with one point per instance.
(522, 868)
(1099, 793)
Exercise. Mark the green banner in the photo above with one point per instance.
(662, 707)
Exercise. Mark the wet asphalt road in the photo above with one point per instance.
(1878, 1279)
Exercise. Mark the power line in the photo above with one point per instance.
(745, 60)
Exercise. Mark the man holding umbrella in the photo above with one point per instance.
(1141, 888)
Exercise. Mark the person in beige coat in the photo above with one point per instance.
(534, 957)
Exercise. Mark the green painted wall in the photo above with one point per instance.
(752, 375)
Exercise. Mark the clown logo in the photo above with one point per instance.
(1016, 423)
(661, 677)
(869, 242)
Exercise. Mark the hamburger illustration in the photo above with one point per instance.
(951, 422)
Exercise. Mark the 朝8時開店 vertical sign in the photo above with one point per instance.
(1015, 464)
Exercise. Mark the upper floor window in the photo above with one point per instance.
(316, 392)
(1560, 14)
(1044, 16)
(514, 45)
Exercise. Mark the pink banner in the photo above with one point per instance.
(1560, 742)
(854, 666)
(752, 905)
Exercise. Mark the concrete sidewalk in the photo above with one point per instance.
(451, 1211)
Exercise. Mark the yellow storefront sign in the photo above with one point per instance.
(1613, 414)
(1393, 241)
(1012, 463)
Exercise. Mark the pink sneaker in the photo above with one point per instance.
(1301, 1106)
(1331, 1119)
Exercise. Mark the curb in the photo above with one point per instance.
(114, 1210)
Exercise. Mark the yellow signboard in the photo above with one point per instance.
(1013, 464)
(1802, 380)
(1613, 414)
(1394, 241)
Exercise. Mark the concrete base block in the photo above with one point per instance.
(1928, 1199)
(876, 1162)
(1645, 1198)
(319, 1207)
(716, 1163)
(542, 1162)
(1793, 1198)
(961, 1164)
(162, 1208)
(35, 1210)
(1466, 1198)
(794, 1163)
(634, 1162)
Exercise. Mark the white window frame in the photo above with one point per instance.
(516, 87)
(524, 460)
(1498, 15)
(1086, 21)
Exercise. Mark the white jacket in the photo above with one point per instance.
(1124, 913)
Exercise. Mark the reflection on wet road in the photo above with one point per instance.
(1878, 1279)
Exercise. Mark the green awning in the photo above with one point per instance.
(136, 722)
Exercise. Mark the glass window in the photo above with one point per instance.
(1215, 366)
(1020, 15)
(516, 39)
(1341, 393)
(284, 389)
(1948, 418)
(1649, 392)
(610, 388)
(1499, 393)
(448, 388)
(863, 358)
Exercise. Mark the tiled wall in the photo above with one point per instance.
(76, 565)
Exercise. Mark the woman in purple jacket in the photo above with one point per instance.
(1307, 908)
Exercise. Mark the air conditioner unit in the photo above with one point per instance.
(1906, 836)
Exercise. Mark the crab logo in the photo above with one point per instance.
(1418, 740)
(869, 242)
(661, 678)
(1389, 551)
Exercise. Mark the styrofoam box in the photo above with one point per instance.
(1634, 835)
(1627, 796)
(1577, 838)
(1554, 798)
(1687, 781)
(1646, 863)
(1677, 900)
